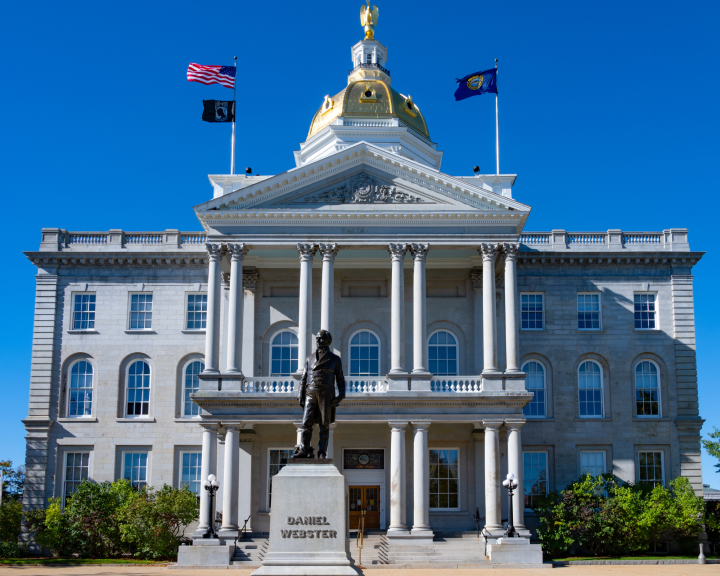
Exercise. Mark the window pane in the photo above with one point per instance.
(284, 351)
(364, 349)
(443, 487)
(531, 311)
(278, 460)
(535, 383)
(190, 473)
(442, 346)
(534, 477)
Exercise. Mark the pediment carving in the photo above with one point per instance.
(362, 189)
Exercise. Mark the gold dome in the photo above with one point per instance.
(369, 99)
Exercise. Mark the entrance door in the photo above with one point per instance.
(365, 498)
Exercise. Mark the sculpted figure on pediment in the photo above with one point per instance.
(363, 189)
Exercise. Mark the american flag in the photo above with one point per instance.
(224, 75)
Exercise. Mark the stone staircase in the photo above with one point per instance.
(250, 551)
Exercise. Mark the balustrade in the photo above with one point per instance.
(458, 384)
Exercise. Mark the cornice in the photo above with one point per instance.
(117, 259)
(603, 259)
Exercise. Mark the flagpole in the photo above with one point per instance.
(232, 153)
(497, 125)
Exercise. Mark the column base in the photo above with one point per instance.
(229, 533)
(492, 381)
(514, 380)
(398, 381)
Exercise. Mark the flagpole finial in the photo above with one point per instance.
(369, 19)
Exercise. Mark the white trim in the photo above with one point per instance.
(457, 349)
(600, 316)
(129, 312)
(72, 328)
(657, 310)
(68, 378)
(459, 485)
(147, 416)
(187, 330)
(521, 294)
(659, 389)
(349, 353)
(602, 388)
(270, 349)
(545, 387)
(547, 473)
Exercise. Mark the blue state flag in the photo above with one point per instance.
(477, 83)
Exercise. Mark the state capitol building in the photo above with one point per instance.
(471, 346)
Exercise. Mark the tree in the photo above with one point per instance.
(713, 446)
(13, 481)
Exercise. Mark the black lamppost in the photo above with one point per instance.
(211, 485)
(510, 484)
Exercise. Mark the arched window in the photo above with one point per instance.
(647, 389)
(284, 354)
(191, 384)
(535, 382)
(590, 389)
(80, 389)
(138, 389)
(364, 354)
(443, 354)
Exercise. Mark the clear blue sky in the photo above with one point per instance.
(608, 114)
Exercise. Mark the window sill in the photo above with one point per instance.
(529, 330)
(590, 331)
(146, 419)
(193, 420)
(651, 419)
(144, 331)
(449, 512)
(82, 419)
(200, 331)
(539, 419)
(90, 331)
(648, 330)
(593, 419)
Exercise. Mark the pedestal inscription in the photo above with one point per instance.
(309, 523)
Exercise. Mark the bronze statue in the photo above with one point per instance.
(317, 395)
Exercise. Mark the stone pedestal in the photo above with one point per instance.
(515, 551)
(309, 522)
(206, 552)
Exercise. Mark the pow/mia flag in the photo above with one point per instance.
(218, 111)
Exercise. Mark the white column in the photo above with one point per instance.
(421, 480)
(208, 465)
(231, 481)
(515, 466)
(212, 331)
(419, 252)
(492, 474)
(248, 340)
(397, 478)
(476, 280)
(488, 252)
(331, 441)
(327, 306)
(397, 330)
(235, 309)
(306, 251)
(298, 429)
(511, 327)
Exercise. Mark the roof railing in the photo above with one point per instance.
(369, 65)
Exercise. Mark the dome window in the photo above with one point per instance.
(409, 107)
(368, 95)
(328, 104)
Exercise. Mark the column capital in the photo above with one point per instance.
(214, 251)
(514, 424)
(488, 251)
(476, 279)
(421, 424)
(250, 280)
(237, 252)
(235, 426)
(419, 251)
(397, 251)
(398, 424)
(209, 426)
(306, 252)
(328, 251)
(493, 425)
(510, 251)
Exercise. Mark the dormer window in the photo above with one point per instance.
(368, 95)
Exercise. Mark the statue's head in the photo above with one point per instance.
(323, 339)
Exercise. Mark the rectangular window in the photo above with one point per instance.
(588, 311)
(84, 312)
(135, 468)
(77, 466)
(645, 308)
(278, 461)
(592, 462)
(532, 312)
(141, 311)
(444, 474)
(190, 463)
(196, 312)
(535, 477)
(651, 468)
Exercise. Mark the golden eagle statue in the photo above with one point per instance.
(369, 19)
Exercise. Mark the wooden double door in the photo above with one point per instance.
(365, 498)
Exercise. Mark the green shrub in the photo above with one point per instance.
(601, 516)
(154, 521)
(10, 520)
(109, 520)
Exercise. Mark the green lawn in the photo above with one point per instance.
(575, 559)
(45, 561)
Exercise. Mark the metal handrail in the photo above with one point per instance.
(360, 538)
(369, 65)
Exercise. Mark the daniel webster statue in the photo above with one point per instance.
(317, 395)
